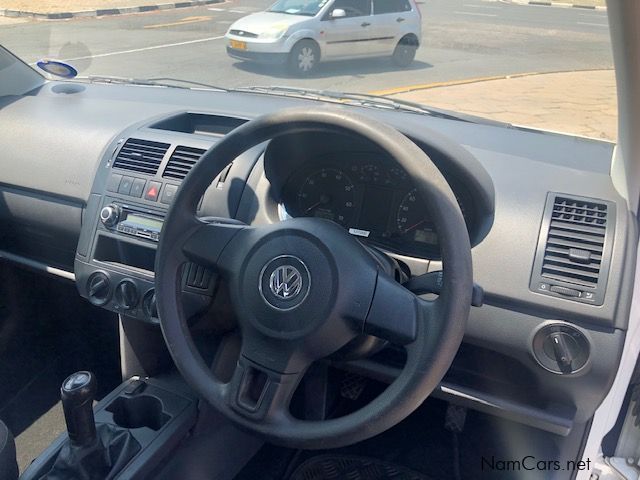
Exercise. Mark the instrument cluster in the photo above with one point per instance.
(372, 199)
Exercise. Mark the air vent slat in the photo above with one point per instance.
(578, 237)
(578, 227)
(138, 147)
(553, 257)
(565, 265)
(562, 277)
(142, 156)
(182, 160)
(565, 252)
(559, 242)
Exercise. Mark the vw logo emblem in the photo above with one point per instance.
(285, 282)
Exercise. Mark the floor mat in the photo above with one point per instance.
(349, 467)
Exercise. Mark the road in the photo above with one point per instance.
(462, 39)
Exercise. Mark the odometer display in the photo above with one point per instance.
(328, 193)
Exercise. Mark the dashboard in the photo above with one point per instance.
(370, 197)
(513, 185)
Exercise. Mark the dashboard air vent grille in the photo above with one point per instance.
(575, 242)
(142, 156)
(574, 249)
(182, 160)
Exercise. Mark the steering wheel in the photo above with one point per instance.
(303, 288)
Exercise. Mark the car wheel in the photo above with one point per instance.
(304, 58)
(404, 53)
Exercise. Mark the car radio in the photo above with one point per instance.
(128, 220)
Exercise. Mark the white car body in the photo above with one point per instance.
(269, 37)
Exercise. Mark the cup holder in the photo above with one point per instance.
(138, 412)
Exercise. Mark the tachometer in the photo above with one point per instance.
(328, 193)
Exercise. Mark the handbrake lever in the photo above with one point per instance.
(431, 282)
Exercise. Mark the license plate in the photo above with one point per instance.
(238, 45)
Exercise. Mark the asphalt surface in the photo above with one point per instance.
(462, 39)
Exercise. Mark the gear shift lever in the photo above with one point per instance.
(92, 452)
(77, 394)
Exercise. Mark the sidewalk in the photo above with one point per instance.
(580, 103)
(64, 9)
(57, 6)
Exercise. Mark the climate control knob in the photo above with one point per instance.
(98, 288)
(109, 215)
(149, 306)
(126, 295)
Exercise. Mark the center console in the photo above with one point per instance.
(127, 435)
(134, 187)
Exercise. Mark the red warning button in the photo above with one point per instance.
(153, 191)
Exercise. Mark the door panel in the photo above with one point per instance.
(348, 36)
(389, 19)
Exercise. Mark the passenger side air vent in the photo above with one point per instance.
(142, 156)
(181, 161)
(574, 249)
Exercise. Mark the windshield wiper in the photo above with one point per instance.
(367, 100)
(151, 82)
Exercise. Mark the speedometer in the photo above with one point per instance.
(413, 222)
(328, 193)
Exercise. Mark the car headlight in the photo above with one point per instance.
(273, 33)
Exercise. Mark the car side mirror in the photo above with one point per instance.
(338, 13)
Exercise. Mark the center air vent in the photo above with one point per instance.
(181, 161)
(142, 156)
(574, 249)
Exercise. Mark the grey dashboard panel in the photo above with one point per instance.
(74, 127)
(57, 139)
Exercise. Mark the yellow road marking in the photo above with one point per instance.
(427, 86)
(184, 21)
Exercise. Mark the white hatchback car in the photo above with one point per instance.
(300, 33)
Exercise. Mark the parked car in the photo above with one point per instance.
(301, 33)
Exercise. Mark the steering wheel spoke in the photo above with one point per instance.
(395, 312)
(209, 239)
(260, 393)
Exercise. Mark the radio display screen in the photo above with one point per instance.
(146, 222)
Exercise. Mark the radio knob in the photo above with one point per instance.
(109, 215)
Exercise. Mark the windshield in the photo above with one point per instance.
(298, 7)
(544, 67)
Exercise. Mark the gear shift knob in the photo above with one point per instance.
(77, 394)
